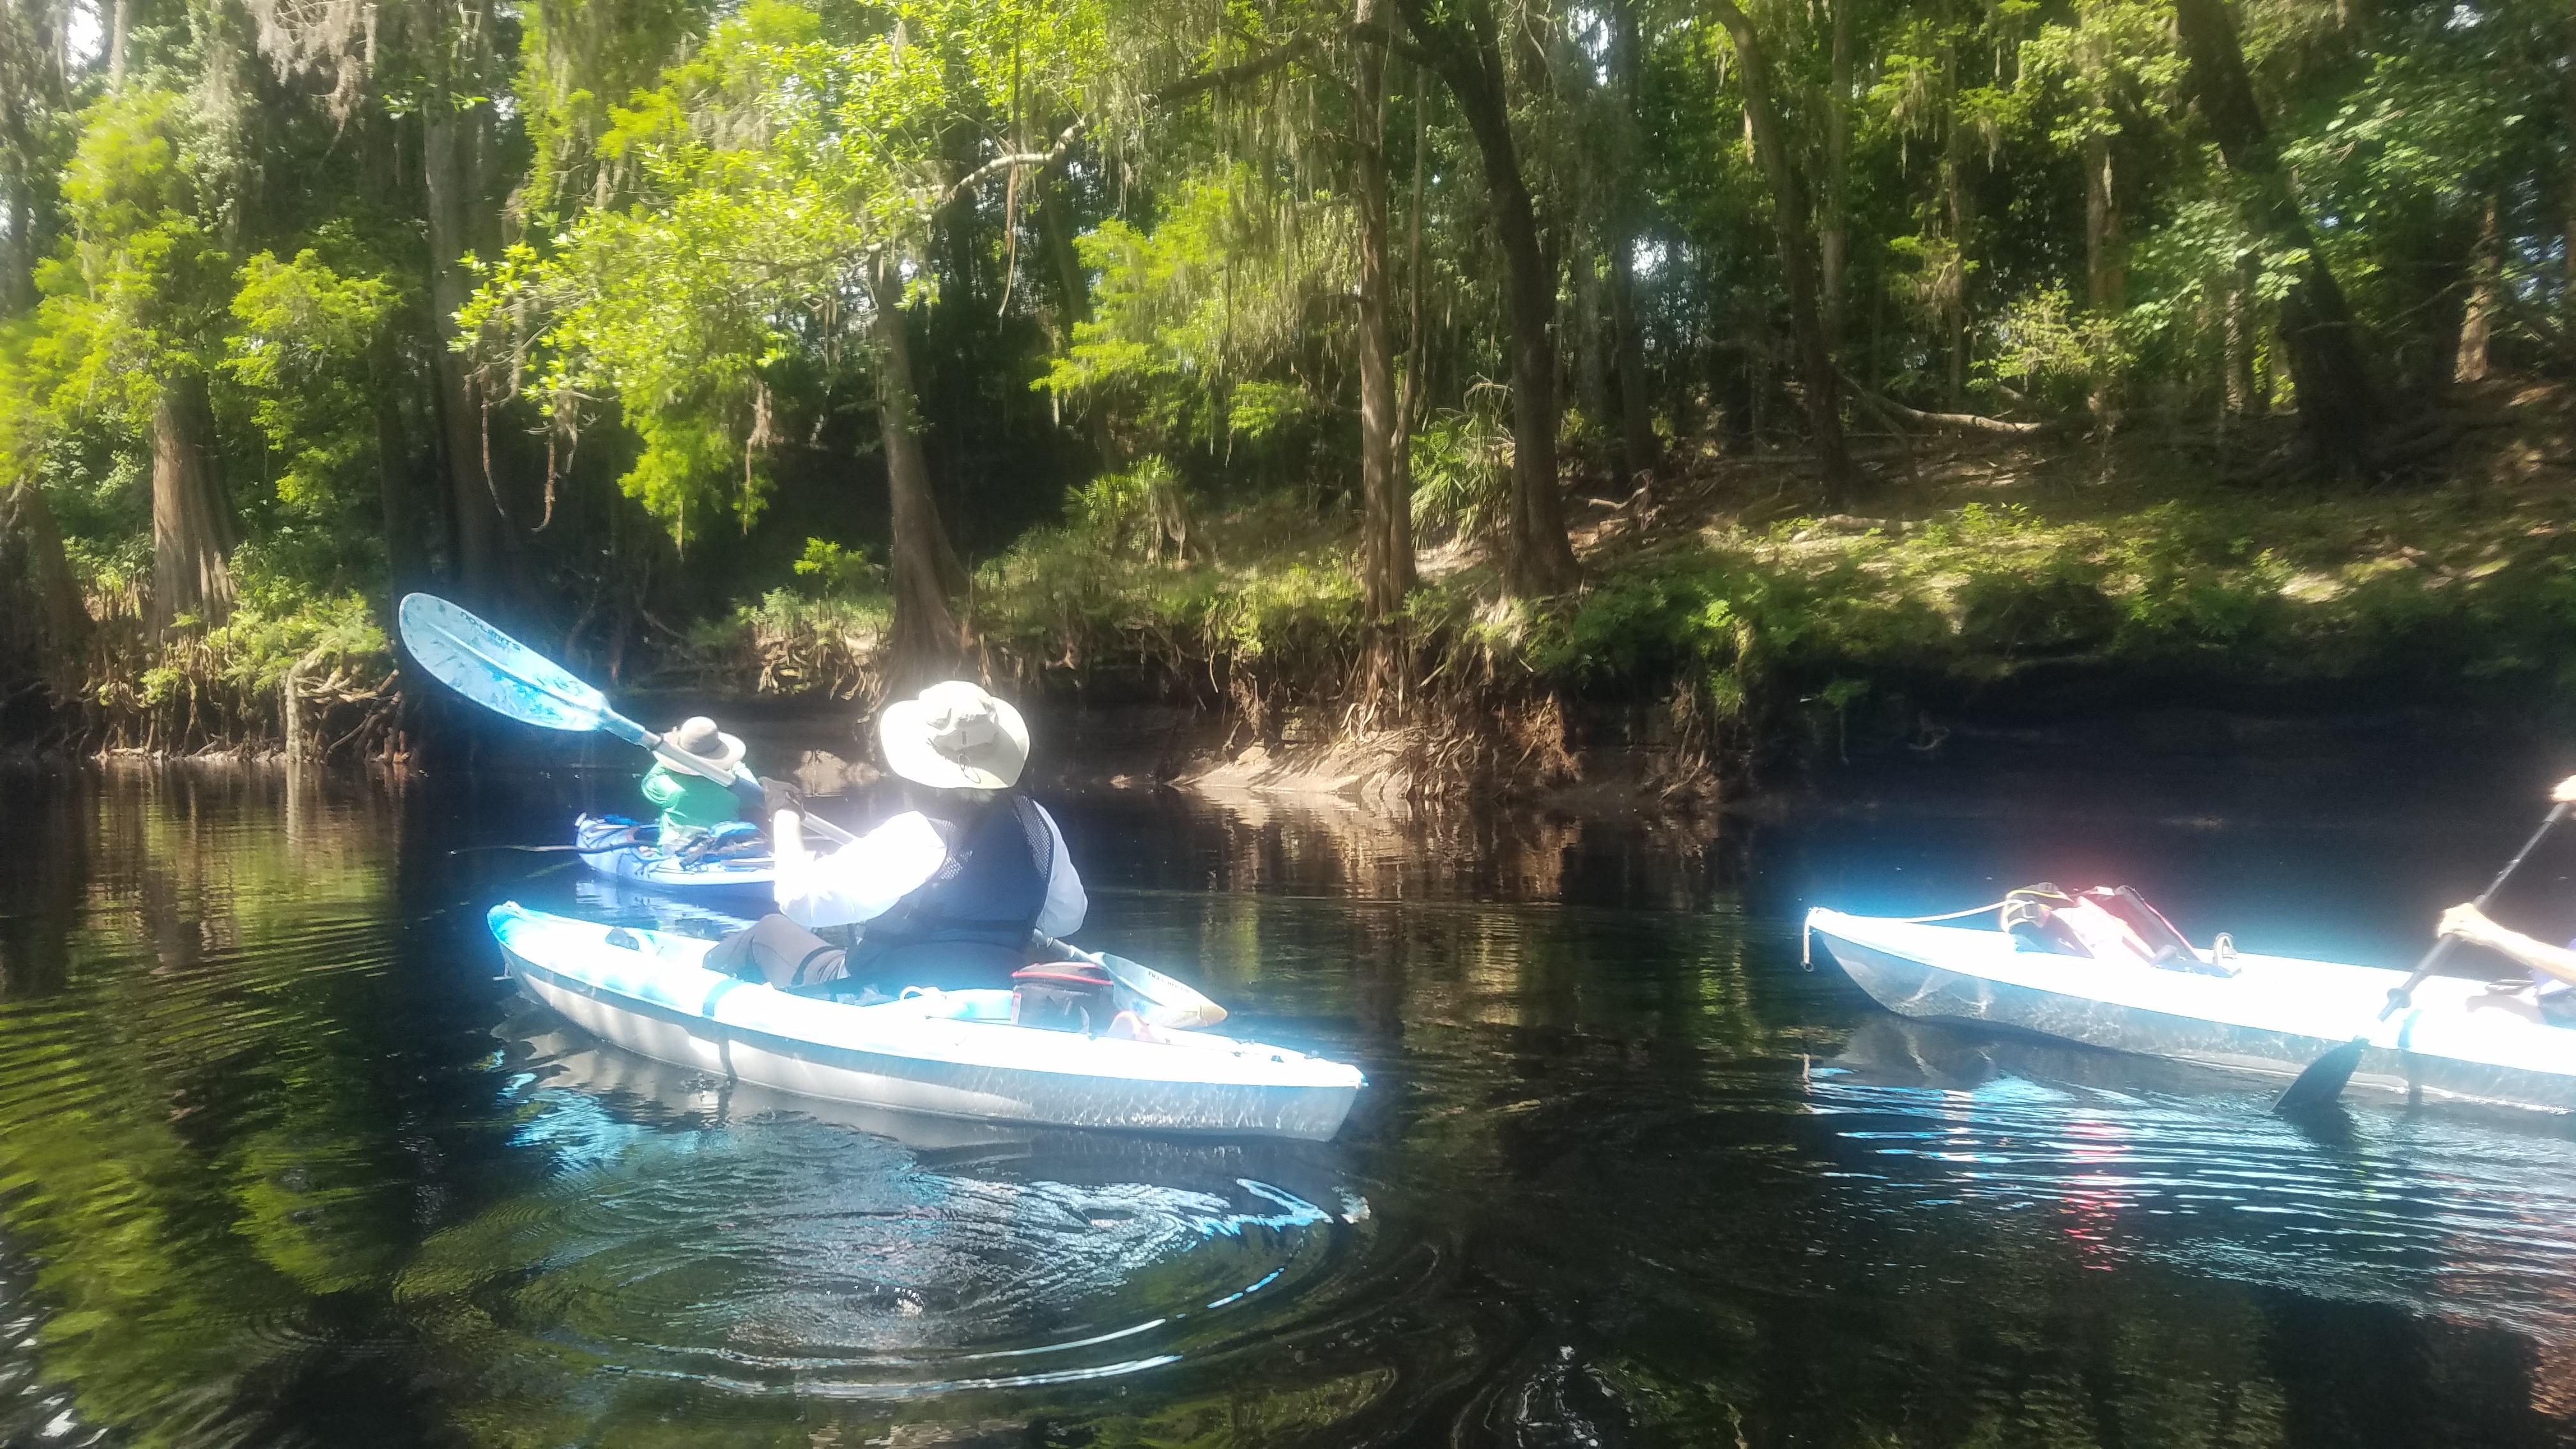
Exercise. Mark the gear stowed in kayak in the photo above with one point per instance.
(732, 858)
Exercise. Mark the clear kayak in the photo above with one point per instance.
(952, 1053)
(617, 847)
(2275, 1015)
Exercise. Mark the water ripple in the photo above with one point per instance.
(744, 1240)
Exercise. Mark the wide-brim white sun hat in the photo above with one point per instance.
(954, 736)
(699, 736)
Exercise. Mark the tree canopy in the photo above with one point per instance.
(612, 315)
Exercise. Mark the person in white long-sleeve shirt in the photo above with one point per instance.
(958, 891)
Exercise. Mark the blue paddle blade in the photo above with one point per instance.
(496, 671)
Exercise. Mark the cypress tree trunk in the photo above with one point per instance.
(1816, 376)
(41, 612)
(926, 574)
(458, 163)
(405, 565)
(2338, 404)
(192, 533)
(1386, 532)
(1536, 557)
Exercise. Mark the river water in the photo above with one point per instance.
(282, 1163)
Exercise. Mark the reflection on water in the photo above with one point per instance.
(281, 1162)
(2462, 1214)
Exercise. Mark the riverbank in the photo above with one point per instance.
(1727, 629)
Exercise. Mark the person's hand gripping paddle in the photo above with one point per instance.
(509, 678)
(2325, 1077)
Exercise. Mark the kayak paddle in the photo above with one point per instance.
(509, 678)
(2325, 1077)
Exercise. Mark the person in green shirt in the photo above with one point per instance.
(691, 804)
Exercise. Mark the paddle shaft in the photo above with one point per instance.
(2400, 996)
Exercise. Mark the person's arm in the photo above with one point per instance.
(1066, 904)
(661, 791)
(2470, 924)
(858, 882)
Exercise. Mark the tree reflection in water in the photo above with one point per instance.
(281, 1163)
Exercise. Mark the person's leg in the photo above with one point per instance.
(778, 951)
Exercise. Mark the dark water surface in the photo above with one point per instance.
(282, 1163)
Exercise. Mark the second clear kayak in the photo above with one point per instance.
(631, 852)
(951, 1053)
(2274, 1015)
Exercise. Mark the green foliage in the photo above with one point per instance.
(300, 347)
(1461, 464)
(840, 573)
(771, 169)
(1197, 318)
(140, 291)
(1143, 510)
(2053, 350)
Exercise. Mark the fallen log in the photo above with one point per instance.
(1898, 412)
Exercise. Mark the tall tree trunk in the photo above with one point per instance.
(1591, 379)
(1386, 523)
(192, 532)
(2486, 266)
(1834, 227)
(405, 558)
(1055, 232)
(1639, 449)
(2567, 99)
(39, 596)
(1417, 294)
(2237, 370)
(1816, 376)
(1536, 558)
(926, 575)
(2338, 404)
(458, 164)
(117, 17)
(1960, 207)
(2106, 272)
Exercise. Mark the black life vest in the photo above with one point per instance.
(969, 924)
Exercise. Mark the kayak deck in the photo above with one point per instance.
(2275, 1016)
(950, 1053)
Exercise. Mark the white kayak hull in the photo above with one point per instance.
(2274, 1017)
(952, 1054)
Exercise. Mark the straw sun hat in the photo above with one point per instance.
(954, 736)
(699, 736)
